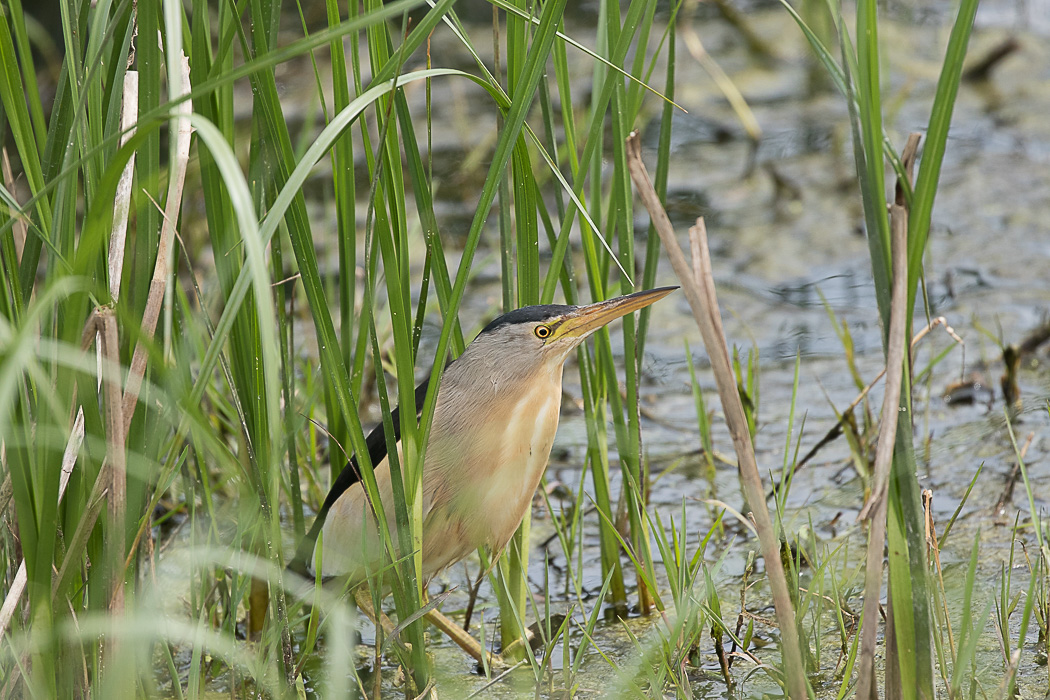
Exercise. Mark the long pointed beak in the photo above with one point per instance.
(584, 320)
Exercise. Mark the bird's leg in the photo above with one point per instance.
(463, 639)
(450, 629)
(380, 618)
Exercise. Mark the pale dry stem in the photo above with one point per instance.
(875, 509)
(122, 200)
(162, 267)
(699, 289)
(115, 540)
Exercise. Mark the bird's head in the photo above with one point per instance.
(546, 334)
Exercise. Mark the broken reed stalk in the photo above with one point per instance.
(122, 200)
(699, 288)
(162, 267)
(875, 510)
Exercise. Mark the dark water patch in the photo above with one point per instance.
(792, 140)
(690, 129)
(684, 206)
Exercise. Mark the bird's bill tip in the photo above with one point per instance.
(587, 319)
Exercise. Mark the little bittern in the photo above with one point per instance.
(493, 428)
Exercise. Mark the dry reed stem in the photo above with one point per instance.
(699, 288)
(115, 540)
(162, 269)
(933, 547)
(69, 460)
(122, 200)
(875, 509)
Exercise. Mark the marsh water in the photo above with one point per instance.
(786, 230)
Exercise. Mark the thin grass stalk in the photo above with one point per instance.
(1037, 526)
(344, 186)
(663, 164)
(598, 462)
(1015, 659)
(524, 290)
(724, 84)
(391, 236)
(253, 447)
(506, 240)
(698, 286)
(25, 59)
(285, 293)
(528, 276)
(82, 91)
(614, 41)
(629, 441)
(421, 190)
(11, 246)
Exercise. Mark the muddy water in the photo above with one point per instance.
(786, 231)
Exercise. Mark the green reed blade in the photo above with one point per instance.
(936, 141)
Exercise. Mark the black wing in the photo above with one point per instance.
(351, 474)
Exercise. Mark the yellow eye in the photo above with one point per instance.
(542, 332)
